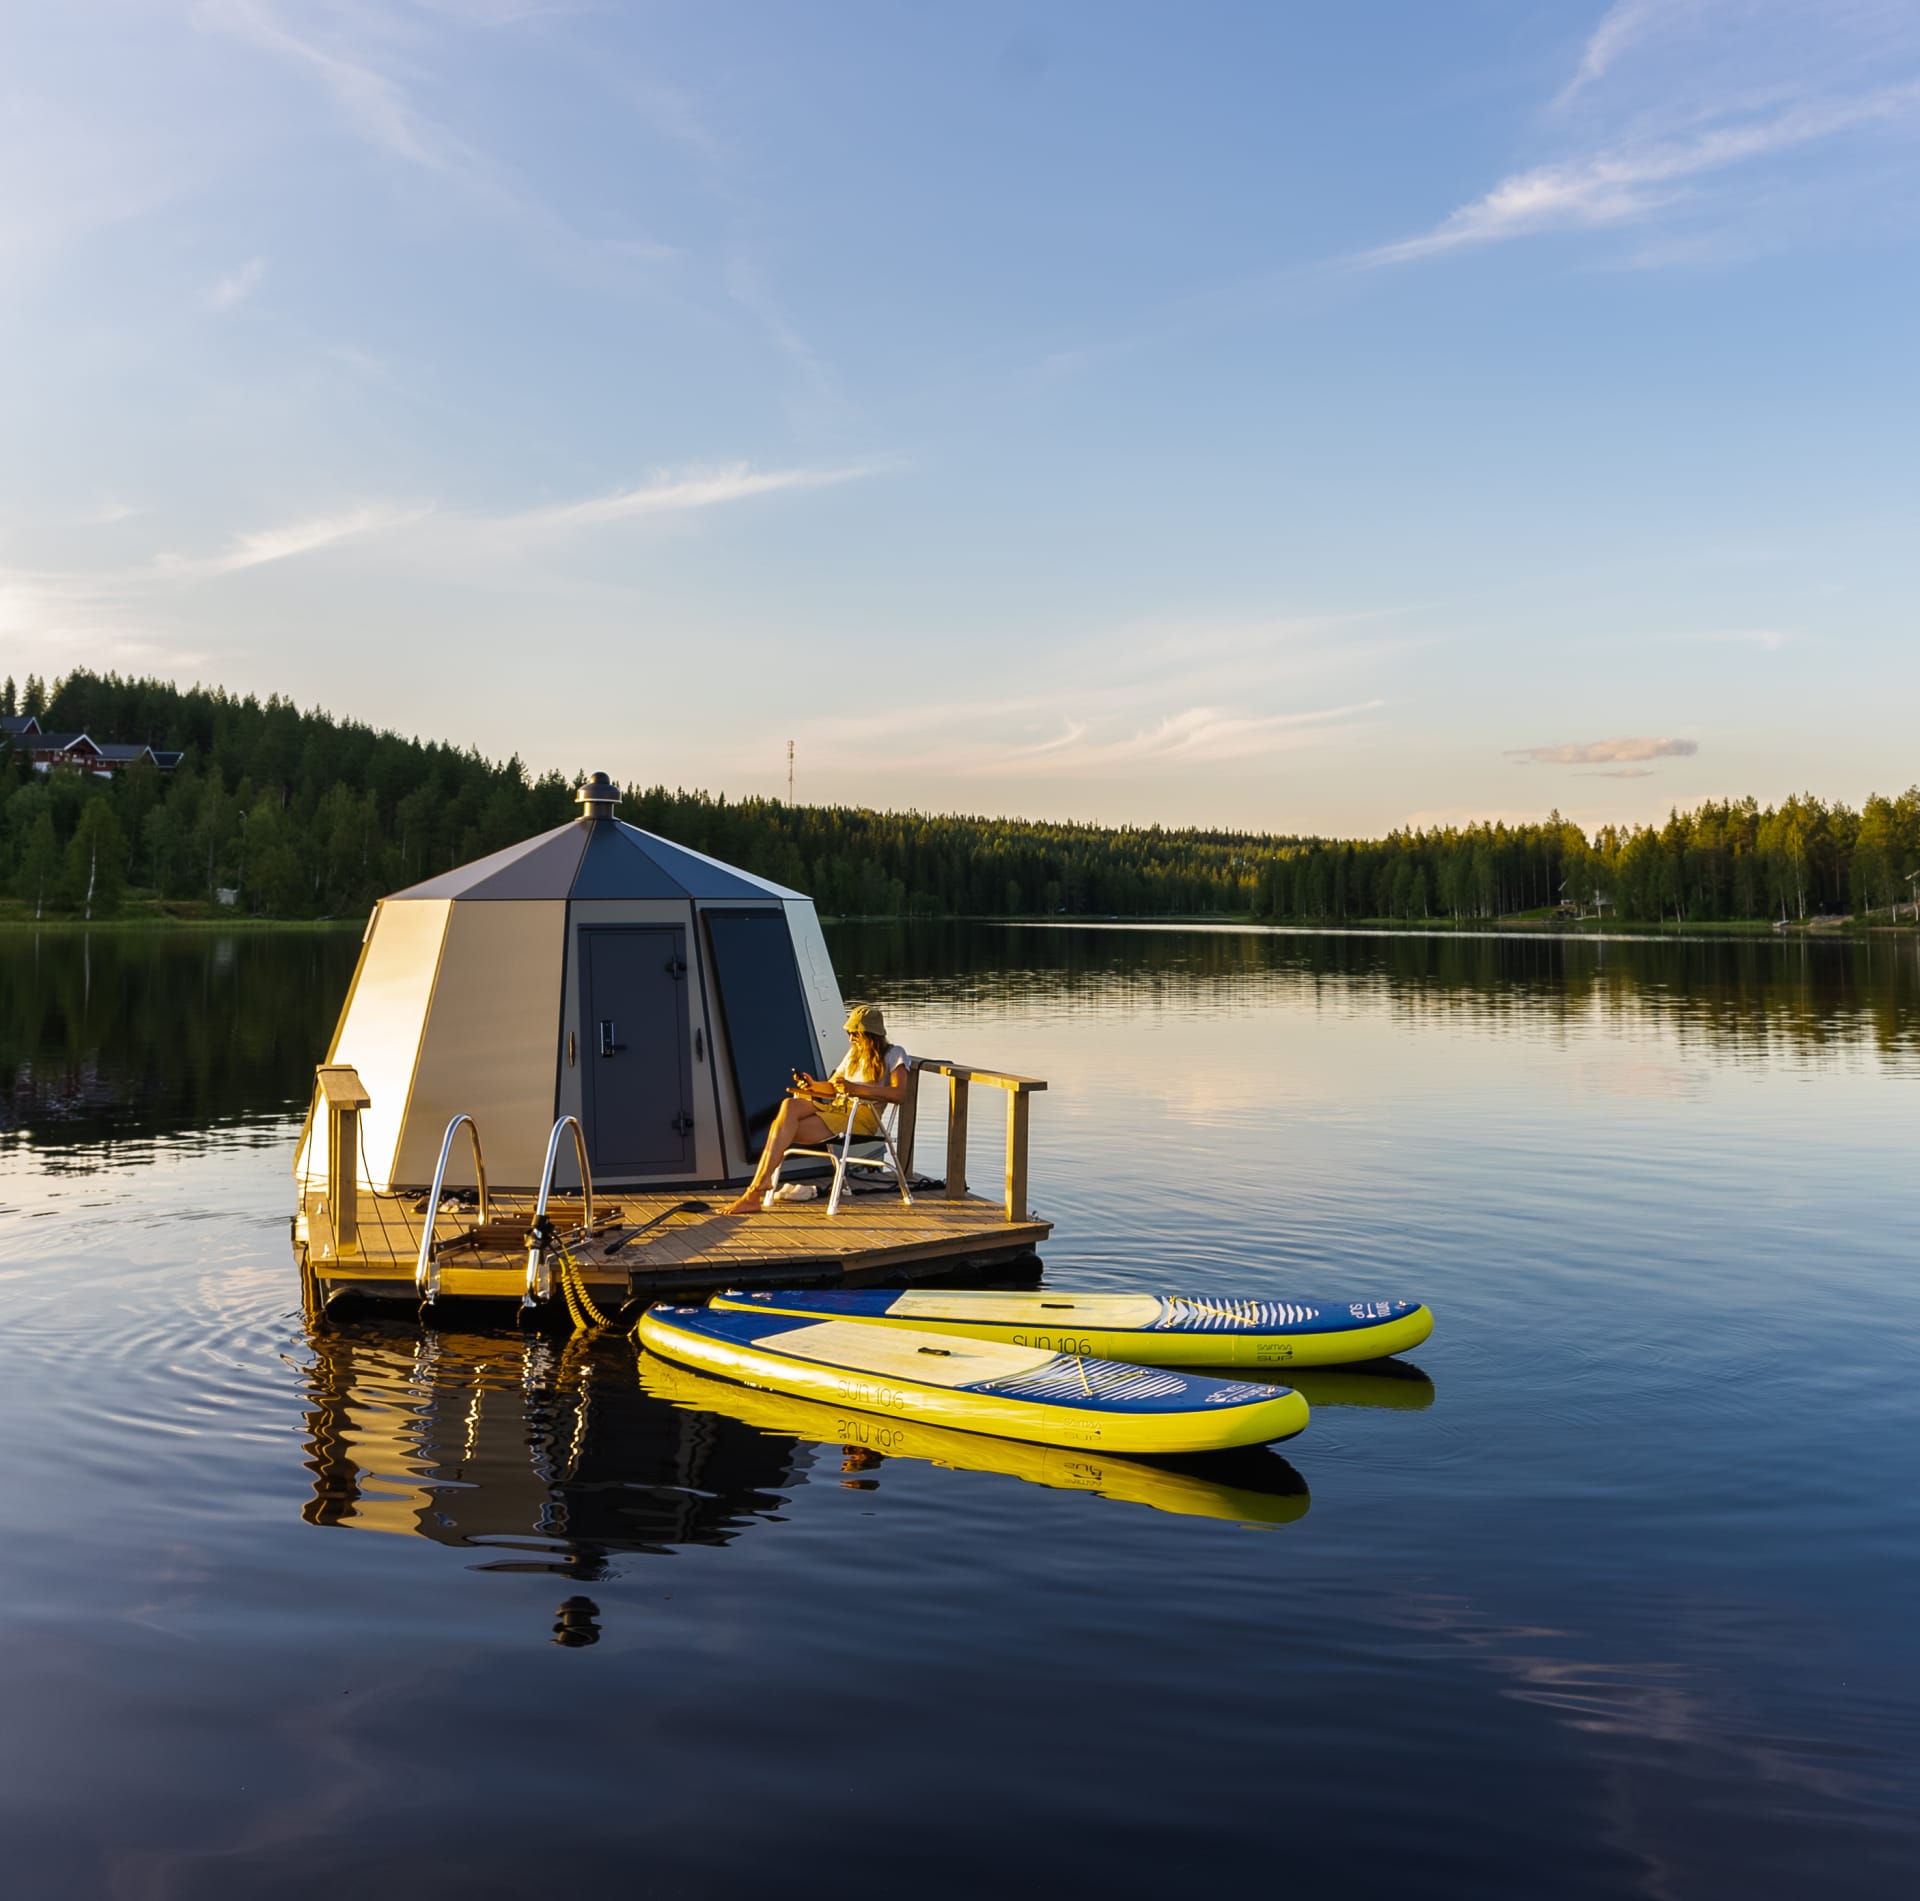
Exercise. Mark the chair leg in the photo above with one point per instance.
(840, 1170)
(899, 1173)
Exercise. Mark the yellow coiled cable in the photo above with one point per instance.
(586, 1317)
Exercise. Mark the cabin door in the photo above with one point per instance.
(637, 1086)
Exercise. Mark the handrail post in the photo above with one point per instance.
(956, 1135)
(426, 1271)
(1018, 1102)
(342, 1095)
(907, 1118)
(539, 1270)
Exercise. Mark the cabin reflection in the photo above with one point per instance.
(536, 1456)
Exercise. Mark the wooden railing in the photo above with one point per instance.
(960, 1076)
(343, 1096)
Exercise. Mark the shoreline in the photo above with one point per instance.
(1586, 931)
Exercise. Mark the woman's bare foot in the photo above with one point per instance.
(748, 1204)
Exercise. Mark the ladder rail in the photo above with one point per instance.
(426, 1267)
(539, 1268)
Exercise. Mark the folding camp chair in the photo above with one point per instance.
(841, 1153)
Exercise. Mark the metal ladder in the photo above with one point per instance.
(540, 1235)
(426, 1268)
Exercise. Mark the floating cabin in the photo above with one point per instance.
(555, 1053)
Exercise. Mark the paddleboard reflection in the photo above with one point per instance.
(1392, 1385)
(1255, 1486)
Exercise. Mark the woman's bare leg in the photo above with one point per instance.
(796, 1123)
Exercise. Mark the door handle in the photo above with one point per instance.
(608, 1047)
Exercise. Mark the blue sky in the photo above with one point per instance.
(1307, 418)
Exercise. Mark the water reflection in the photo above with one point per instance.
(1389, 1385)
(1255, 1487)
(543, 1457)
(546, 1457)
(107, 1036)
(118, 1034)
(1757, 996)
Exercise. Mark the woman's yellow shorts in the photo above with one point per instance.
(866, 1119)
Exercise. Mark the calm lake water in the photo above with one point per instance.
(1614, 1593)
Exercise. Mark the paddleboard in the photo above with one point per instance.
(987, 1386)
(1143, 1329)
(1263, 1489)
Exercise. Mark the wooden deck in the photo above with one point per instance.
(645, 1246)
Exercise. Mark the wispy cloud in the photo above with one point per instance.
(372, 64)
(1599, 752)
(1623, 26)
(1629, 181)
(1126, 709)
(104, 513)
(1196, 733)
(675, 494)
(152, 656)
(818, 389)
(286, 540)
(469, 533)
(373, 102)
(224, 293)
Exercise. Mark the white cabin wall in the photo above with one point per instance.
(488, 1047)
(817, 979)
(380, 1029)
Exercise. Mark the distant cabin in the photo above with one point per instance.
(77, 752)
(662, 997)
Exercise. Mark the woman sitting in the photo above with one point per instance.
(871, 1074)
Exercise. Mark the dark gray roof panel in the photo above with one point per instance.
(545, 872)
(615, 865)
(538, 867)
(699, 876)
(595, 858)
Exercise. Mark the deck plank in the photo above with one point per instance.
(872, 1238)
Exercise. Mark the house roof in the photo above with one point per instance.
(18, 724)
(62, 742)
(125, 755)
(596, 858)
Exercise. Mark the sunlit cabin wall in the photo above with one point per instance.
(822, 987)
(489, 1045)
(379, 1032)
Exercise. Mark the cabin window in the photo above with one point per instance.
(769, 1028)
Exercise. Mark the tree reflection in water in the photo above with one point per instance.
(124, 1035)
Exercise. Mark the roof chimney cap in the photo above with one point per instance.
(598, 797)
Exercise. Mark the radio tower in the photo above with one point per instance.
(789, 772)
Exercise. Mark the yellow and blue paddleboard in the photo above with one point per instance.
(988, 1386)
(1143, 1329)
(1269, 1493)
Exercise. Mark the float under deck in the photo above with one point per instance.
(646, 1246)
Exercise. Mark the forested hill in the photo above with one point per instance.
(303, 815)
